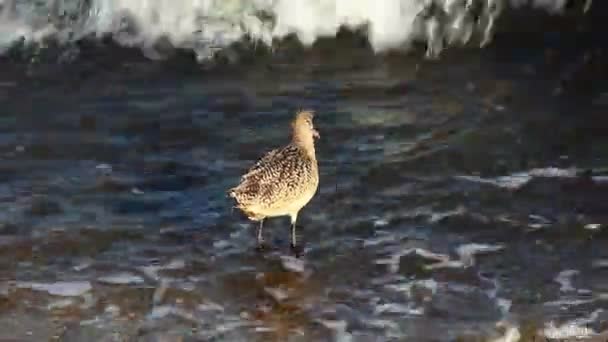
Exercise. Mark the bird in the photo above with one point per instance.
(282, 181)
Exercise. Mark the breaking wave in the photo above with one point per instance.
(206, 26)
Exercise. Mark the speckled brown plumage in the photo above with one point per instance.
(283, 181)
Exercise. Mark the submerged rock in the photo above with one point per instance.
(43, 206)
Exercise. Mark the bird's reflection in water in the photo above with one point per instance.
(279, 302)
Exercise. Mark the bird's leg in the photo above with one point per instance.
(294, 246)
(293, 235)
(260, 235)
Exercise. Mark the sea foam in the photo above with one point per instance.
(204, 26)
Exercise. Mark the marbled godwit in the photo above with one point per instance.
(283, 181)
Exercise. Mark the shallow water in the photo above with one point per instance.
(459, 200)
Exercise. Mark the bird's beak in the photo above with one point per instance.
(315, 134)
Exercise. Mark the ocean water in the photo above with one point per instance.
(463, 195)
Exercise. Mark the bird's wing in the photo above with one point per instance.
(265, 179)
(261, 164)
(257, 180)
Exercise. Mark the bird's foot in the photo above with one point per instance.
(297, 250)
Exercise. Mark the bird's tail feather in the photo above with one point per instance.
(233, 193)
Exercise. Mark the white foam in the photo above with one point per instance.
(554, 6)
(514, 181)
(540, 222)
(210, 306)
(504, 305)
(445, 264)
(4, 289)
(60, 304)
(439, 216)
(564, 279)
(104, 167)
(429, 284)
(151, 271)
(84, 264)
(466, 255)
(593, 226)
(112, 310)
(600, 263)
(206, 25)
(394, 260)
(427, 254)
(62, 288)
(380, 222)
(379, 240)
(554, 172)
(467, 252)
(396, 308)
(163, 311)
(517, 180)
(576, 328)
(292, 264)
(121, 279)
(277, 293)
(569, 302)
(566, 331)
(221, 244)
(136, 191)
(511, 334)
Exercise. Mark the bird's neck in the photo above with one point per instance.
(305, 142)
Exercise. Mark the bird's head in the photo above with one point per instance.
(303, 128)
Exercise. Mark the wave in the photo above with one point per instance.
(206, 26)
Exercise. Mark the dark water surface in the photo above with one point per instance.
(459, 200)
